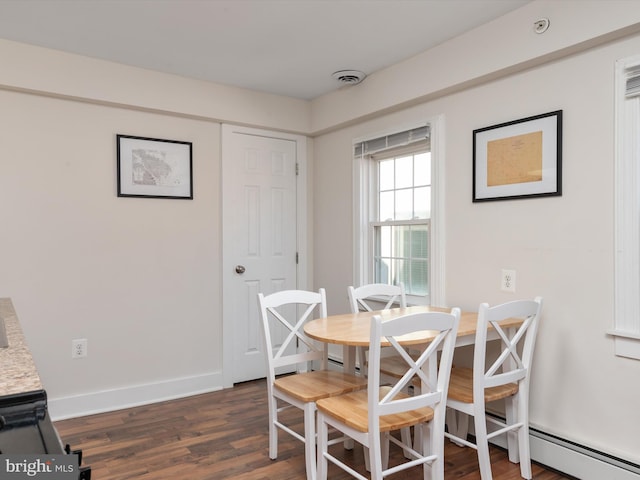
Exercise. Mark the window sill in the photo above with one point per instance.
(418, 300)
(627, 344)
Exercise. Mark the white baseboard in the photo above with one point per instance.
(583, 464)
(109, 400)
(574, 460)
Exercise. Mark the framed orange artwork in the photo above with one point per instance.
(518, 159)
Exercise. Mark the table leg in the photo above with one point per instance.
(349, 359)
(349, 366)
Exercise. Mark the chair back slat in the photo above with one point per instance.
(512, 363)
(512, 376)
(291, 309)
(295, 359)
(434, 380)
(364, 297)
(295, 331)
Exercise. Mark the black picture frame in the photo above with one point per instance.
(518, 159)
(154, 167)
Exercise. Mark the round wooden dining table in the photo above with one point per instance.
(352, 330)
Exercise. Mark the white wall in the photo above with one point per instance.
(139, 278)
(561, 247)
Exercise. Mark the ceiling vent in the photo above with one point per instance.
(349, 77)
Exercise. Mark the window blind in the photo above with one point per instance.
(632, 85)
(395, 140)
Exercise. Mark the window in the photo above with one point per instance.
(400, 230)
(397, 235)
(626, 330)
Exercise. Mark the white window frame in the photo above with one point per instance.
(626, 330)
(364, 203)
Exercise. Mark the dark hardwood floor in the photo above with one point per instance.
(223, 435)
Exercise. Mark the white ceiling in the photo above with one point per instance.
(286, 47)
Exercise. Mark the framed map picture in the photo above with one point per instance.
(518, 159)
(152, 167)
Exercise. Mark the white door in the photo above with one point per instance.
(260, 211)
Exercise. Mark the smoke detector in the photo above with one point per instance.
(541, 26)
(349, 77)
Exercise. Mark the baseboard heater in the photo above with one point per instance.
(578, 460)
(563, 455)
(573, 459)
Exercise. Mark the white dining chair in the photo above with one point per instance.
(502, 376)
(373, 297)
(370, 416)
(291, 309)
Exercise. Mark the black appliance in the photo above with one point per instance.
(26, 428)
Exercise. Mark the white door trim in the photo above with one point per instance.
(301, 220)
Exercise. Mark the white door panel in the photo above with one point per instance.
(259, 238)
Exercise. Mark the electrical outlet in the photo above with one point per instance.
(508, 281)
(79, 348)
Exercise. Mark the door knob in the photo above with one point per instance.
(240, 269)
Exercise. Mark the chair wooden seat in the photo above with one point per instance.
(312, 386)
(352, 409)
(461, 387)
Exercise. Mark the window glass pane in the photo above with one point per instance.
(404, 172)
(422, 169)
(377, 242)
(419, 280)
(401, 241)
(385, 241)
(422, 202)
(382, 271)
(402, 273)
(386, 206)
(404, 204)
(402, 256)
(385, 174)
(419, 242)
(393, 274)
